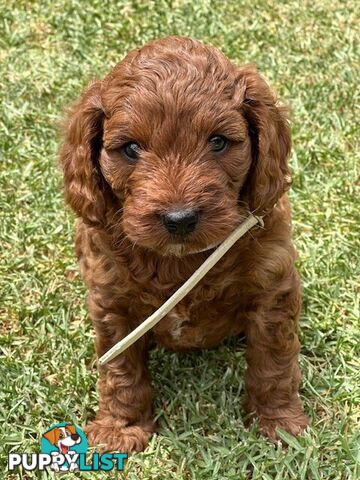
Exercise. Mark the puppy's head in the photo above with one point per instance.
(66, 435)
(174, 147)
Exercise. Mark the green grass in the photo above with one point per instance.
(308, 50)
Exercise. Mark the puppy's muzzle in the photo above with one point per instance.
(180, 222)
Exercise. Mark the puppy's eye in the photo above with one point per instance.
(218, 143)
(131, 150)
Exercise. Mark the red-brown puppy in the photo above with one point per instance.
(162, 160)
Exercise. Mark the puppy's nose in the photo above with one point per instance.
(180, 222)
(75, 437)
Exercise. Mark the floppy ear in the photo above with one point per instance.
(269, 175)
(51, 435)
(85, 188)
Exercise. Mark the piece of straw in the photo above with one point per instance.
(182, 291)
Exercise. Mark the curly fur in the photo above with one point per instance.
(170, 96)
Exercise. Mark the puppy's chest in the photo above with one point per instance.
(203, 319)
(176, 321)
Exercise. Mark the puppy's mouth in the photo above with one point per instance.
(183, 248)
(64, 449)
(167, 238)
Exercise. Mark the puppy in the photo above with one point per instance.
(162, 159)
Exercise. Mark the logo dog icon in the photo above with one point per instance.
(64, 437)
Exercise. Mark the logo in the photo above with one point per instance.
(64, 448)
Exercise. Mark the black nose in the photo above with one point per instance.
(180, 222)
(75, 437)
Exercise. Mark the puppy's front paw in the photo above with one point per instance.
(106, 434)
(293, 423)
(74, 467)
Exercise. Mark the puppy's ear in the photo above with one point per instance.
(52, 435)
(84, 185)
(269, 175)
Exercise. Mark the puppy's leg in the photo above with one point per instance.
(124, 421)
(273, 375)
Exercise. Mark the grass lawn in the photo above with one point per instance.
(308, 50)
